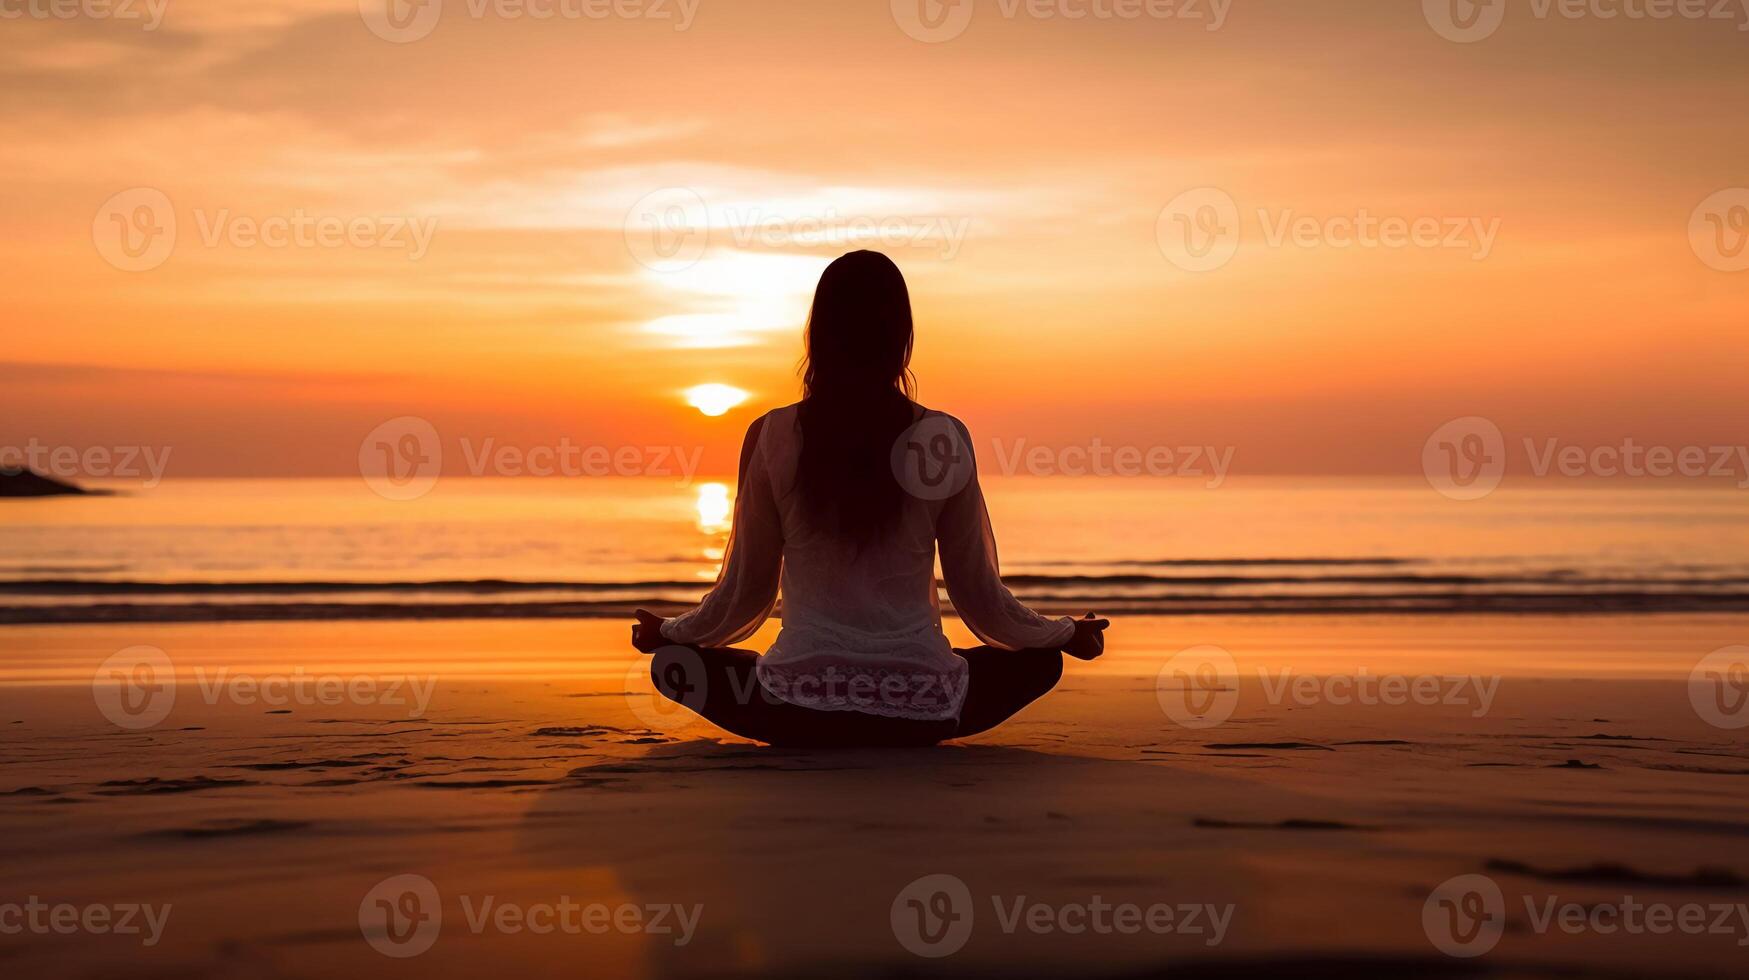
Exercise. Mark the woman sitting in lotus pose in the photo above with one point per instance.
(843, 500)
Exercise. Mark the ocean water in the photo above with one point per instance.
(333, 548)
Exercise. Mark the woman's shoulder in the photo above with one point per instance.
(937, 417)
(778, 419)
(777, 425)
(785, 417)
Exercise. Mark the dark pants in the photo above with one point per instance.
(720, 685)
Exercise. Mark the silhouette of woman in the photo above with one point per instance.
(843, 499)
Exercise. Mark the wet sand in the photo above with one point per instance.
(540, 769)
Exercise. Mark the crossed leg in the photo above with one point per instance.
(721, 686)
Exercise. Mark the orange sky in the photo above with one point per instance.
(1032, 157)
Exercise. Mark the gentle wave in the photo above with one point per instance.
(1393, 587)
(1565, 579)
(1525, 603)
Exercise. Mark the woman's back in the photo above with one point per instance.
(883, 586)
(861, 620)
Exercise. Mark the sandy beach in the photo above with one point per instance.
(514, 767)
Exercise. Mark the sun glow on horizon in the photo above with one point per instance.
(715, 399)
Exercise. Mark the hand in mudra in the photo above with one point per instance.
(1089, 639)
(647, 632)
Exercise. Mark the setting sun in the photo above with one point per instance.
(715, 399)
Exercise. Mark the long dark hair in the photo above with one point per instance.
(856, 396)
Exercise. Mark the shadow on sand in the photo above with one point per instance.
(798, 857)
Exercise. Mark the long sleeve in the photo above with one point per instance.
(970, 567)
(746, 589)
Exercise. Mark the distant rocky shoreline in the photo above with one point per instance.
(25, 483)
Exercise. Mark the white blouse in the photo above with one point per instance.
(862, 630)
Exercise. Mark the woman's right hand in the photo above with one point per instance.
(1089, 639)
(647, 631)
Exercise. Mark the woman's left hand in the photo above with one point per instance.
(1089, 639)
(647, 632)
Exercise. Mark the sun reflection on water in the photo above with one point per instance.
(714, 508)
